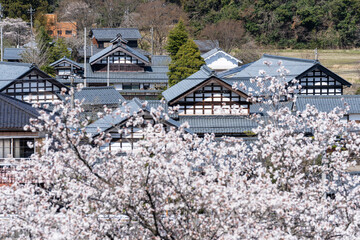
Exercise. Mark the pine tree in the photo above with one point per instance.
(177, 37)
(186, 62)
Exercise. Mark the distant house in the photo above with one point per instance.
(128, 70)
(314, 78)
(59, 29)
(13, 54)
(64, 66)
(28, 83)
(101, 38)
(219, 60)
(95, 98)
(14, 115)
(206, 45)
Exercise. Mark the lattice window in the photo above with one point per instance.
(213, 99)
(317, 82)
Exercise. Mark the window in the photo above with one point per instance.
(59, 32)
(146, 86)
(17, 147)
(50, 32)
(68, 32)
(131, 86)
(64, 72)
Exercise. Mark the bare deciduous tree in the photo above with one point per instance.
(16, 30)
(160, 16)
(230, 33)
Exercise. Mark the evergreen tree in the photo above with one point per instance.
(186, 62)
(58, 50)
(177, 37)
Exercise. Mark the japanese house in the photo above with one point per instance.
(126, 137)
(14, 115)
(28, 83)
(314, 78)
(13, 54)
(64, 66)
(128, 70)
(219, 60)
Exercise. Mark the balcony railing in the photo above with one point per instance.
(8, 170)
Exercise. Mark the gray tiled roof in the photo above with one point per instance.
(325, 103)
(13, 53)
(105, 51)
(99, 96)
(108, 34)
(152, 74)
(211, 52)
(160, 60)
(296, 66)
(206, 45)
(96, 50)
(244, 73)
(15, 114)
(109, 121)
(226, 124)
(9, 71)
(67, 60)
(192, 81)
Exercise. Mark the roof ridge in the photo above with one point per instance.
(290, 58)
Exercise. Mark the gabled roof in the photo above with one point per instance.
(98, 96)
(192, 81)
(113, 48)
(15, 114)
(108, 34)
(220, 58)
(206, 45)
(115, 119)
(216, 51)
(65, 59)
(13, 53)
(326, 103)
(9, 71)
(296, 66)
(328, 72)
(186, 85)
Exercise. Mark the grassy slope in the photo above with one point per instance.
(345, 63)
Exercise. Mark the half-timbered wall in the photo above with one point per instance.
(33, 88)
(213, 99)
(128, 140)
(316, 82)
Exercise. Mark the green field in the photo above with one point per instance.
(345, 63)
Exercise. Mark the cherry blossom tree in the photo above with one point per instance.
(289, 183)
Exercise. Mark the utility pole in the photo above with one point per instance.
(31, 11)
(84, 57)
(1, 33)
(108, 71)
(152, 40)
(72, 90)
